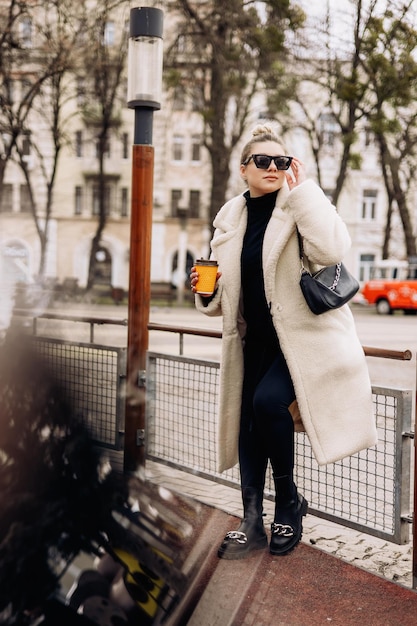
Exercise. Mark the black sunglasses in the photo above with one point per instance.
(263, 161)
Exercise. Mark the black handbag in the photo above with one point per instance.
(329, 288)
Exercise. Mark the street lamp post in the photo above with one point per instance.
(144, 96)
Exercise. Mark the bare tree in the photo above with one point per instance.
(226, 52)
(103, 69)
(41, 40)
(15, 49)
(58, 32)
(390, 66)
(369, 79)
(331, 95)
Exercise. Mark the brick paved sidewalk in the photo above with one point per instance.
(392, 561)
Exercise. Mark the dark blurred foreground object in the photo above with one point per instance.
(59, 497)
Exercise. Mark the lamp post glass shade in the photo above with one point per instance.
(145, 58)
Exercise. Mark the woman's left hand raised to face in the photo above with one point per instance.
(297, 175)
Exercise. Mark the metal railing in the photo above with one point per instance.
(369, 491)
(91, 321)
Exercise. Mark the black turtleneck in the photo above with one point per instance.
(256, 309)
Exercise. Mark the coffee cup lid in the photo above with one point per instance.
(205, 262)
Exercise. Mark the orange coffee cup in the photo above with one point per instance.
(207, 272)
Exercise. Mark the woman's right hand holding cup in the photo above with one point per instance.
(203, 279)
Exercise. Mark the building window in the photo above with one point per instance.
(80, 90)
(197, 98)
(25, 204)
(79, 143)
(26, 86)
(178, 148)
(16, 259)
(123, 207)
(179, 99)
(369, 204)
(81, 34)
(176, 195)
(106, 151)
(181, 44)
(196, 148)
(365, 265)
(109, 32)
(125, 146)
(194, 203)
(96, 200)
(26, 144)
(6, 205)
(329, 129)
(9, 90)
(78, 208)
(26, 32)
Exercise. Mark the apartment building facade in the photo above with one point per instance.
(182, 181)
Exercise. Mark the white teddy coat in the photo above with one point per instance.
(323, 353)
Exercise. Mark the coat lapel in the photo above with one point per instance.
(280, 228)
(227, 246)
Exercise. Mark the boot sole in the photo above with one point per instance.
(297, 538)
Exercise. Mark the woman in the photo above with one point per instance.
(274, 349)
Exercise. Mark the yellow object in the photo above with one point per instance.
(144, 586)
(207, 273)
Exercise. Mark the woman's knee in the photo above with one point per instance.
(268, 405)
(275, 391)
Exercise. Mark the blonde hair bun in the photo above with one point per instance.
(262, 129)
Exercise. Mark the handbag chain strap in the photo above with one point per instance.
(337, 276)
(338, 266)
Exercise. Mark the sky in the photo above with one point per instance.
(341, 12)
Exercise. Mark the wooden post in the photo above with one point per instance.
(138, 305)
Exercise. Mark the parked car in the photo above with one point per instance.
(391, 295)
(393, 286)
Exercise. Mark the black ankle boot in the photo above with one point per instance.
(251, 534)
(290, 507)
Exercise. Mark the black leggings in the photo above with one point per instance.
(266, 427)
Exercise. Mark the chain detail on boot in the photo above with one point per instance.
(283, 530)
(251, 534)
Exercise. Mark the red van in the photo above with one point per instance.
(389, 295)
(391, 288)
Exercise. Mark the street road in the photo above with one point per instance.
(397, 332)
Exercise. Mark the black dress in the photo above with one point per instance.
(266, 430)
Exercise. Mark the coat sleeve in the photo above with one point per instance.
(325, 236)
(210, 306)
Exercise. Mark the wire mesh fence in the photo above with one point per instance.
(369, 491)
(93, 377)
